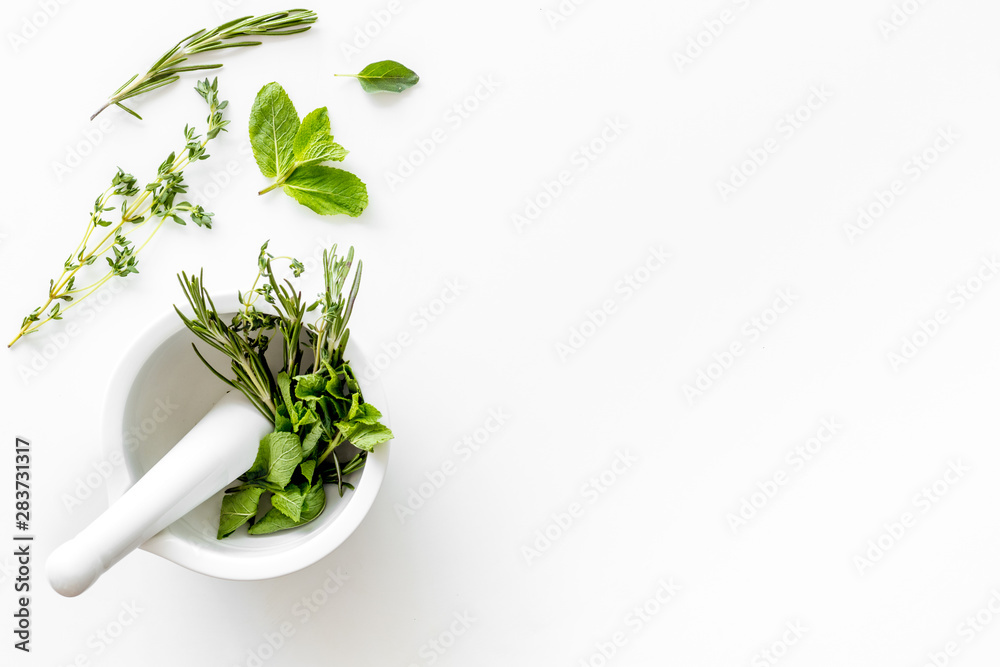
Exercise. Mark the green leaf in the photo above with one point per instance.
(314, 503)
(284, 386)
(314, 143)
(309, 417)
(364, 436)
(310, 386)
(237, 509)
(289, 500)
(308, 468)
(322, 150)
(337, 388)
(281, 420)
(328, 191)
(312, 438)
(273, 125)
(366, 413)
(387, 76)
(275, 520)
(277, 457)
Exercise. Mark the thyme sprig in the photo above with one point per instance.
(142, 211)
(168, 68)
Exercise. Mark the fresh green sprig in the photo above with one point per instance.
(315, 414)
(168, 68)
(120, 241)
(292, 152)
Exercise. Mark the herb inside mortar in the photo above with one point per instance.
(168, 68)
(317, 412)
(292, 152)
(385, 76)
(120, 239)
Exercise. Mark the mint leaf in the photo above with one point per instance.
(310, 386)
(308, 468)
(284, 386)
(314, 503)
(289, 501)
(386, 76)
(327, 191)
(290, 152)
(281, 420)
(366, 413)
(277, 457)
(364, 436)
(275, 520)
(322, 150)
(314, 143)
(237, 509)
(273, 125)
(312, 438)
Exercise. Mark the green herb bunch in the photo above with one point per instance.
(119, 238)
(323, 428)
(168, 68)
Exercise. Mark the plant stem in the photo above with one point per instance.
(281, 181)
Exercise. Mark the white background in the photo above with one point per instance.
(667, 517)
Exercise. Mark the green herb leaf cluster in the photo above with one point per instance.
(124, 219)
(168, 68)
(323, 428)
(292, 153)
(385, 76)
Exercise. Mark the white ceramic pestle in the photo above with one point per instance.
(220, 448)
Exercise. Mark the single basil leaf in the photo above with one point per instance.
(327, 191)
(289, 501)
(273, 125)
(308, 468)
(237, 509)
(364, 436)
(387, 76)
(314, 143)
(278, 456)
(273, 521)
(310, 441)
(310, 386)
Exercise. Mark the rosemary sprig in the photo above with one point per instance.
(168, 68)
(120, 242)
